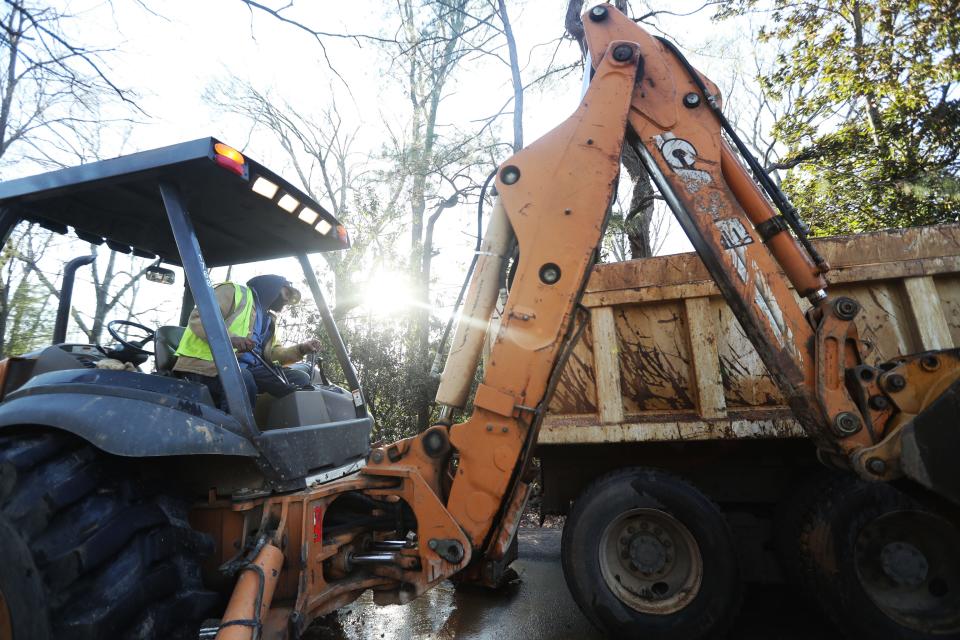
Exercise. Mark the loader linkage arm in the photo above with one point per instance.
(449, 500)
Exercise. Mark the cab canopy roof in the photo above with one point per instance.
(241, 211)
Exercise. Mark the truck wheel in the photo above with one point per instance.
(646, 554)
(880, 564)
(86, 552)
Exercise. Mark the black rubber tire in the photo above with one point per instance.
(86, 552)
(791, 513)
(714, 608)
(827, 539)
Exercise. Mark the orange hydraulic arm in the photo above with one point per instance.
(859, 416)
(456, 491)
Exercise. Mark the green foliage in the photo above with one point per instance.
(873, 130)
(384, 368)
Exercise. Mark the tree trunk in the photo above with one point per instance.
(640, 214)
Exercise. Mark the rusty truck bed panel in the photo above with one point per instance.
(663, 359)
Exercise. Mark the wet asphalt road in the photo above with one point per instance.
(539, 607)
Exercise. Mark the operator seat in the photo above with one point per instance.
(165, 343)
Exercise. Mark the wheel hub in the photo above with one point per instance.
(648, 554)
(904, 564)
(651, 561)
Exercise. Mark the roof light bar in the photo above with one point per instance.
(288, 203)
(264, 187)
(308, 215)
(324, 227)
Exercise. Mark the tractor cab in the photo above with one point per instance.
(196, 205)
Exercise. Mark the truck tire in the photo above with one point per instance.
(647, 555)
(88, 553)
(881, 564)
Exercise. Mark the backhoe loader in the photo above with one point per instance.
(134, 507)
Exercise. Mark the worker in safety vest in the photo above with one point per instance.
(250, 315)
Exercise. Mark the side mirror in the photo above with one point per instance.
(156, 273)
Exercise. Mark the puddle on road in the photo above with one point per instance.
(538, 606)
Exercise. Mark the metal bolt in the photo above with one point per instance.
(930, 363)
(567, 212)
(589, 140)
(631, 530)
(549, 273)
(879, 403)
(509, 175)
(896, 382)
(846, 308)
(691, 100)
(505, 430)
(876, 466)
(846, 423)
(599, 13)
(622, 52)
(489, 427)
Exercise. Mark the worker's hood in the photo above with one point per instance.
(268, 289)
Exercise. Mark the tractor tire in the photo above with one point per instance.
(88, 552)
(879, 563)
(645, 554)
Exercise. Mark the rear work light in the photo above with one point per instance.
(230, 159)
(308, 215)
(288, 203)
(264, 187)
(343, 235)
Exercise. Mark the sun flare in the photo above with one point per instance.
(386, 293)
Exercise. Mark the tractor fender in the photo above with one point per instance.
(126, 414)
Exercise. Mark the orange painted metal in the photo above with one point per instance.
(686, 148)
(466, 494)
(557, 208)
(252, 586)
(799, 268)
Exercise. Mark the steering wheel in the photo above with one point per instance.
(132, 344)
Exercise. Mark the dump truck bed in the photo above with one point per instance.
(663, 359)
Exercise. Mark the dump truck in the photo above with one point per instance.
(132, 505)
(663, 376)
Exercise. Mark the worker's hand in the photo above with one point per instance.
(242, 344)
(310, 346)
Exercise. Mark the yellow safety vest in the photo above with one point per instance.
(193, 346)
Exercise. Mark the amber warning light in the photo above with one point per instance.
(230, 159)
